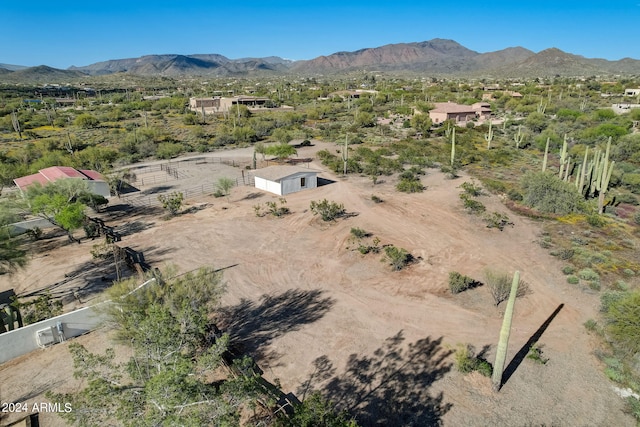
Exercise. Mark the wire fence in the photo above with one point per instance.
(189, 193)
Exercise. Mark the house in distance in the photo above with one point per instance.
(283, 180)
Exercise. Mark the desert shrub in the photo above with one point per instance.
(316, 410)
(467, 361)
(398, 258)
(172, 202)
(620, 285)
(450, 171)
(636, 218)
(496, 220)
(535, 354)
(608, 299)
(43, 307)
(472, 205)
(573, 280)
(471, 188)
(628, 272)
(358, 233)
(459, 283)
(494, 185)
(376, 199)
(564, 254)
(591, 325)
(277, 210)
(568, 269)
(327, 210)
(546, 193)
(514, 195)
(623, 321)
(594, 285)
(633, 407)
(224, 185)
(596, 220)
(499, 285)
(588, 274)
(410, 186)
(364, 249)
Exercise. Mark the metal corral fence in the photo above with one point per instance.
(189, 193)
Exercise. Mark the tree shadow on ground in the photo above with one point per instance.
(133, 227)
(522, 353)
(157, 189)
(254, 325)
(389, 387)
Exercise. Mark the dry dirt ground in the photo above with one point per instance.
(318, 315)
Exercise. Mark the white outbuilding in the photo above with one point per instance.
(283, 180)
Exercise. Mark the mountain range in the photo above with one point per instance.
(433, 57)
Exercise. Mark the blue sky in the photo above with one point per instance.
(63, 33)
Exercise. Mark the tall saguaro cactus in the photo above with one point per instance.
(501, 353)
(546, 156)
(604, 176)
(345, 154)
(563, 158)
(453, 146)
(518, 137)
(489, 136)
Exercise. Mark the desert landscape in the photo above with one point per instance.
(316, 314)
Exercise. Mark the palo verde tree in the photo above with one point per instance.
(11, 254)
(281, 150)
(167, 380)
(60, 203)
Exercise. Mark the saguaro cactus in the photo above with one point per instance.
(546, 156)
(501, 353)
(604, 176)
(563, 157)
(453, 146)
(345, 154)
(518, 137)
(489, 136)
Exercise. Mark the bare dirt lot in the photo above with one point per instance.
(319, 315)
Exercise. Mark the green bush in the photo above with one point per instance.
(591, 325)
(535, 354)
(398, 258)
(459, 283)
(327, 210)
(466, 361)
(410, 186)
(497, 220)
(546, 193)
(472, 205)
(568, 269)
(588, 274)
(376, 199)
(471, 188)
(623, 321)
(514, 195)
(358, 233)
(573, 280)
(596, 220)
(172, 202)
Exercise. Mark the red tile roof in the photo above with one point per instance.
(55, 173)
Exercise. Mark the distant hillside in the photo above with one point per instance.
(180, 65)
(437, 57)
(12, 67)
(41, 74)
